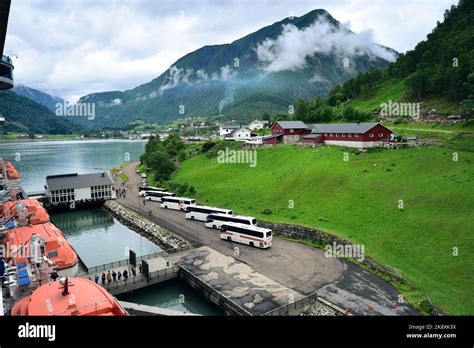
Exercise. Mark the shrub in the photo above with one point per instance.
(207, 146)
(267, 211)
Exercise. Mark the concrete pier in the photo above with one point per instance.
(140, 309)
(232, 284)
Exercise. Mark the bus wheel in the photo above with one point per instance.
(251, 244)
(166, 207)
(229, 239)
(214, 227)
(192, 217)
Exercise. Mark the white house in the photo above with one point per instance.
(66, 188)
(225, 131)
(241, 134)
(257, 124)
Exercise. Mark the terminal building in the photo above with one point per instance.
(68, 188)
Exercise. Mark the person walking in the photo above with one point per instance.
(114, 275)
(96, 278)
(103, 278)
(140, 268)
(134, 271)
(125, 274)
(109, 277)
(119, 275)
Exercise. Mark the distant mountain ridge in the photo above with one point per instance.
(38, 96)
(244, 78)
(25, 115)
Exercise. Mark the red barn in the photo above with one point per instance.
(312, 139)
(292, 131)
(359, 135)
(272, 139)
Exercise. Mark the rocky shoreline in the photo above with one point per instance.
(152, 231)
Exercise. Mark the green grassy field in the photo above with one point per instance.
(12, 136)
(358, 200)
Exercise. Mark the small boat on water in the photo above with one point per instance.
(69, 297)
(57, 248)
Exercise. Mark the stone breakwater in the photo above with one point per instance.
(153, 232)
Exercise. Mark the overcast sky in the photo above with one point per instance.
(71, 48)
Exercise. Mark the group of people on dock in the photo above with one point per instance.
(113, 276)
(121, 192)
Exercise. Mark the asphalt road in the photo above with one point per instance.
(294, 265)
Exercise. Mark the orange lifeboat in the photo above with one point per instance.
(37, 213)
(57, 250)
(12, 173)
(69, 297)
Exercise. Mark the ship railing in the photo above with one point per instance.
(125, 262)
(73, 309)
(7, 59)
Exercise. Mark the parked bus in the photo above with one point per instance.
(216, 220)
(156, 196)
(144, 189)
(247, 234)
(177, 203)
(200, 212)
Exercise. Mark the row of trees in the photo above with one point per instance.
(162, 156)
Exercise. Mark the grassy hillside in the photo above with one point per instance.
(430, 74)
(358, 200)
(395, 90)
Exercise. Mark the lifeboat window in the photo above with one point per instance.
(52, 254)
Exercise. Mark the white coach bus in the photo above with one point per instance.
(217, 220)
(177, 203)
(144, 189)
(157, 196)
(247, 234)
(200, 212)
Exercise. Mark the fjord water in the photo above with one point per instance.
(97, 236)
(37, 159)
(173, 294)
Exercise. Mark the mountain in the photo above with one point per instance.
(24, 115)
(437, 73)
(266, 71)
(37, 96)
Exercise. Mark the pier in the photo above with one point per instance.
(140, 309)
(225, 281)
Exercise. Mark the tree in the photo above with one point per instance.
(161, 164)
(266, 117)
(418, 84)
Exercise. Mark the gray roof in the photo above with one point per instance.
(232, 126)
(312, 136)
(65, 181)
(270, 136)
(292, 124)
(357, 128)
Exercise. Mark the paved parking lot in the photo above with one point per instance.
(296, 266)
